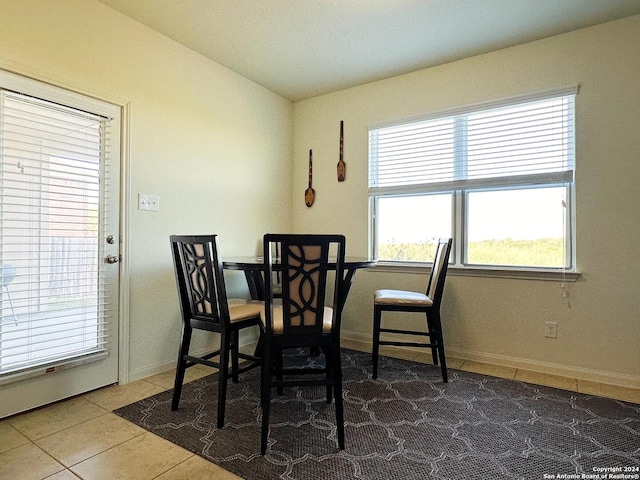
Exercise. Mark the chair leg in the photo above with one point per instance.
(329, 394)
(336, 374)
(437, 326)
(181, 368)
(433, 338)
(265, 399)
(223, 376)
(278, 367)
(377, 319)
(234, 348)
(329, 373)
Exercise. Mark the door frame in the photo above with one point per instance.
(125, 208)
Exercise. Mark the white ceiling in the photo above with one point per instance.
(303, 48)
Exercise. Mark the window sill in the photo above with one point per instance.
(554, 275)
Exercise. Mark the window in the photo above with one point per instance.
(497, 177)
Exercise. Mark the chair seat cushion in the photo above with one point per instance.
(242, 309)
(401, 297)
(278, 320)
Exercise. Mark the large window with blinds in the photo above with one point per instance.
(497, 177)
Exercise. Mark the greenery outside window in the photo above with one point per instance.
(497, 177)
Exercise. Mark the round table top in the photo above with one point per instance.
(257, 262)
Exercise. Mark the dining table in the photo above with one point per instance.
(253, 268)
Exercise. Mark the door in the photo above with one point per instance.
(59, 243)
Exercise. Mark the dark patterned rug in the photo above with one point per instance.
(405, 425)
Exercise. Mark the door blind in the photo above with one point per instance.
(53, 167)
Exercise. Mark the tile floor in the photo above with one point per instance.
(81, 438)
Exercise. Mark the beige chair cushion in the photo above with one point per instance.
(401, 297)
(241, 309)
(278, 321)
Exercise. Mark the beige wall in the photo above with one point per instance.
(217, 149)
(213, 145)
(495, 319)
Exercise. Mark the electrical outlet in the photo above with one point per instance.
(551, 329)
(150, 203)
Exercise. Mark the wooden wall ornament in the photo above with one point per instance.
(309, 193)
(342, 167)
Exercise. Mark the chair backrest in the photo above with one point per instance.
(439, 270)
(305, 262)
(276, 286)
(200, 279)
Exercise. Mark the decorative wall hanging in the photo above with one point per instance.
(309, 193)
(342, 167)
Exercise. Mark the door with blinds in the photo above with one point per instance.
(59, 243)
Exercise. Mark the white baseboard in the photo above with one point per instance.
(246, 341)
(599, 376)
(363, 342)
(149, 370)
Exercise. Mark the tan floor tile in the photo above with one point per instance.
(27, 462)
(143, 457)
(117, 396)
(423, 356)
(11, 438)
(197, 468)
(397, 352)
(356, 345)
(249, 348)
(53, 418)
(454, 362)
(546, 379)
(80, 442)
(426, 357)
(63, 475)
(626, 394)
(488, 369)
(166, 379)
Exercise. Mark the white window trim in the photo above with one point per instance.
(540, 95)
(569, 274)
(520, 273)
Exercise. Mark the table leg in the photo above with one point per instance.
(255, 282)
(346, 286)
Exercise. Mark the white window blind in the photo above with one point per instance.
(53, 166)
(522, 142)
(497, 177)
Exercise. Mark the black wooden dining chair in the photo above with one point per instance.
(205, 306)
(302, 318)
(427, 303)
(276, 285)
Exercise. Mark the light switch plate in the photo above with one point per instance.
(150, 203)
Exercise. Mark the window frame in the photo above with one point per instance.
(460, 199)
